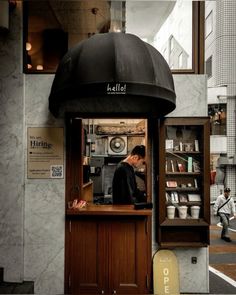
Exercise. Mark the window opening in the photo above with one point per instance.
(53, 27)
(209, 67)
(106, 142)
(209, 24)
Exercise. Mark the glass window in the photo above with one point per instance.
(165, 24)
(52, 27)
(181, 60)
(209, 67)
(218, 116)
(209, 24)
(171, 41)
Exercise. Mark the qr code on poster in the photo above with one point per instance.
(56, 171)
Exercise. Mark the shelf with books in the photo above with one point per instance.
(184, 222)
(183, 179)
(183, 164)
(180, 189)
(183, 173)
(183, 152)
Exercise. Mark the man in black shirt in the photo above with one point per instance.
(124, 186)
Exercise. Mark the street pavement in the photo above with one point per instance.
(222, 258)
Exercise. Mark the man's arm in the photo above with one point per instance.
(216, 205)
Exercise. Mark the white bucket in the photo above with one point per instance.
(195, 212)
(170, 212)
(183, 212)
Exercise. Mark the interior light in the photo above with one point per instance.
(28, 46)
(39, 67)
(29, 66)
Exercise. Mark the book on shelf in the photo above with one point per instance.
(171, 183)
(190, 164)
(194, 198)
(188, 147)
(181, 167)
(168, 198)
(196, 166)
(174, 197)
(172, 166)
(196, 144)
(183, 198)
(169, 144)
(195, 183)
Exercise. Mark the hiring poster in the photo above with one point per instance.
(45, 152)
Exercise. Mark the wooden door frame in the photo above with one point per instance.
(71, 169)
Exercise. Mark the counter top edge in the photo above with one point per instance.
(109, 210)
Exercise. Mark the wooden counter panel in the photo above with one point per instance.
(93, 209)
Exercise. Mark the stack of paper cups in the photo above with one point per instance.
(170, 212)
(195, 212)
(183, 212)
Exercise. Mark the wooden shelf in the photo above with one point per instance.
(183, 173)
(183, 152)
(174, 164)
(164, 245)
(121, 134)
(182, 189)
(196, 203)
(184, 222)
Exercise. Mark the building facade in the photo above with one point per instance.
(32, 211)
(220, 46)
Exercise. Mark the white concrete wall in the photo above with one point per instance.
(11, 150)
(44, 212)
(191, 101)
(221, 45)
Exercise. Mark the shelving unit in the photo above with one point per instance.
(184, 202)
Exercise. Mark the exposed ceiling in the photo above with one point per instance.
(143, 18)
(81, 19)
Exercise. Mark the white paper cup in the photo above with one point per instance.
(170, 212)
(195, 212)
(183, 212)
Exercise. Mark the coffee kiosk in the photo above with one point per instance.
(108, 247)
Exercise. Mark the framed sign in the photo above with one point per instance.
(194, 198)
(45, 152)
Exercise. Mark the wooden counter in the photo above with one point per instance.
(93, 209)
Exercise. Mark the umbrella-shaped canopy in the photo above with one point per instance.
(113, 74)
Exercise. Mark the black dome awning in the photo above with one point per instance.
(113, 74)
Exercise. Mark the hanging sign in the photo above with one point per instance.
(45, 152)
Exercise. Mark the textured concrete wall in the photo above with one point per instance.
(12, 150)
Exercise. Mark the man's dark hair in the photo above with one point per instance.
(139, 150)
(227, 190)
